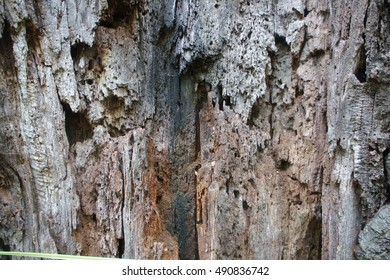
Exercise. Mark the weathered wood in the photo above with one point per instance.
(195, 129)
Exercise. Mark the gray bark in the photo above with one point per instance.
(195, 129)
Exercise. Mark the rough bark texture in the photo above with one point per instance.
(195, 129)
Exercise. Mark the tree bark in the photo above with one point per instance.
(195, 129)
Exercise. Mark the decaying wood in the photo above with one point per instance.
(195, 129)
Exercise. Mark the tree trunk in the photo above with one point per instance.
(195, 129)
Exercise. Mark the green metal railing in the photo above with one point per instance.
(50, 256)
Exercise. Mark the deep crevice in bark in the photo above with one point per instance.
(121, 248)
(119, 13)
(77, 126)
(360, 68)
(280, 40)
(201, 99)
(223, 101)
(77, 50)
(186, 104)
(6, 50)
(313, 241)
(254, 114)
(6, 248)
(386, 170)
